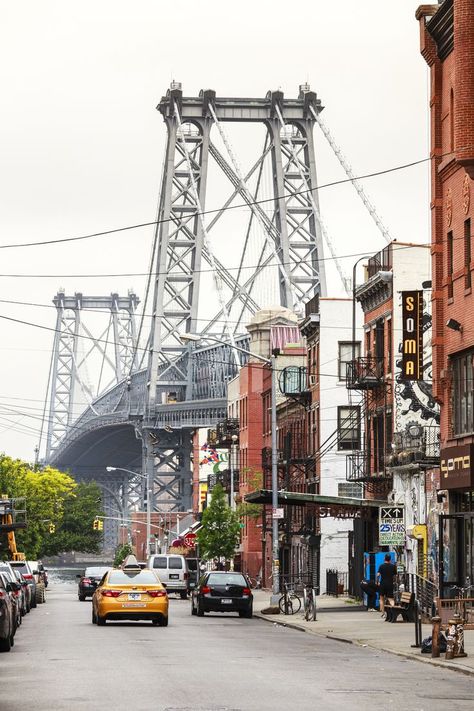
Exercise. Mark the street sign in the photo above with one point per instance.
(392, 526)
(190, 539)
(278, 513)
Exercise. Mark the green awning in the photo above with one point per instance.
(296, 498)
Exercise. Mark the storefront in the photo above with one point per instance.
(456, 528)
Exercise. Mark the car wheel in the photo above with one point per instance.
(101, 620)
(162, 621)
(183, 595)
(200, 609)
(6, 644)
(82, 598)
(193, 609)
(246, 613)
(94, 617)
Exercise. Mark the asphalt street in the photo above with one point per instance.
(216, 663)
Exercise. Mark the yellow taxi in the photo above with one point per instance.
(130, 593)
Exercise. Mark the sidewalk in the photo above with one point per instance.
(336, 619)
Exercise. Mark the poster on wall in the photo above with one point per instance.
(392, 530)
(412, 335)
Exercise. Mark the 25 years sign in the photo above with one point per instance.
(392, 526)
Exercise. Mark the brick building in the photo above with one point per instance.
(399, 415)
(447, 45)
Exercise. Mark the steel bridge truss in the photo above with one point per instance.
(75, 345)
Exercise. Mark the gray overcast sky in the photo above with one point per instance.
(81, 143)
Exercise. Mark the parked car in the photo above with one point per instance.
(220, 591)
(37, 569)
(26, 591)
(88, 582)
(130, 594)
(173, 572)
(14, 589)
(7, 624)
(193, 572)
(27, 573)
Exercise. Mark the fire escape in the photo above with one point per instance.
(226, 436)
(368, 466)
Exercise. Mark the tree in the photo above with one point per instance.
(121, 552)
(75, 532)
(51, 497)
(220, 532)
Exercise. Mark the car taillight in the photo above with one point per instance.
(27, 576)
(157, 593)
(205, 590)
(87, 581)
(246, 591)
(111, 593)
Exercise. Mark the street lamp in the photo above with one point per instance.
(193, 337)
(148, 501)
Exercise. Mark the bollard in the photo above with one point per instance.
(459, 644)
(436, 622)
(418, 628)
(450, 639)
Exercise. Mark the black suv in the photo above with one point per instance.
(89, 581)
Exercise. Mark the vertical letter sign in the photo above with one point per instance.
(412, 335)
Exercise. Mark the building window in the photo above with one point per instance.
(352, 489)
(389, 345)
(346, 354)
(348, 427)
(463, 393)
(467, 253)
(450, 265)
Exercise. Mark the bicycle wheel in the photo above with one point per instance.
(285, 609)
(295, 604)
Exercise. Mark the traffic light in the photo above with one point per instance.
(100, 527)
(52, 528)
(95, 525)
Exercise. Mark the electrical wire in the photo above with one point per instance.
(239, 206)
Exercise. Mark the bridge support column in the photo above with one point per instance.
(167, 461)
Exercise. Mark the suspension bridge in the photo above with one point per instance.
(210, 272)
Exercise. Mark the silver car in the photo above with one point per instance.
(172, 571)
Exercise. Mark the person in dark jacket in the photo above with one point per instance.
(370, 588)
(385, 577)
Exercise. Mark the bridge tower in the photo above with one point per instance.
(275, 254)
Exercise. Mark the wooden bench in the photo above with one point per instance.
(405, 608)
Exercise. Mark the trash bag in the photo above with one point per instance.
(427, 644)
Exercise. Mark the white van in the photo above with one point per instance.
(172, 571)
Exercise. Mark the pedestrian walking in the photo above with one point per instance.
(385, 578)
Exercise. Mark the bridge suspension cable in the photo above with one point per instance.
(252, 204)
(216, 274)
(350, 174)
(344, 279)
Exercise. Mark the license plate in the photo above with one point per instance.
(174, 576)
(134, 604)
(226, 601)
(134, 596)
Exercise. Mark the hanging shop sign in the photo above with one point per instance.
(412, 335)
(392, 526)
(457, 467)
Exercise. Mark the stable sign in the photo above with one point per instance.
(392, 526)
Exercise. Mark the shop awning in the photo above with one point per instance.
(335, 506)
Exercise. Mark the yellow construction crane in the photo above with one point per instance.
(12, 518)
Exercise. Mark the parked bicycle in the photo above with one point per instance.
(309, 603)
(289, 602)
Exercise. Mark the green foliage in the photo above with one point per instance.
(121, 552)
(51, 497)
(75, 532)
(220, 532)
(254, 480)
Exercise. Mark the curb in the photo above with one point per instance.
(407, 655)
